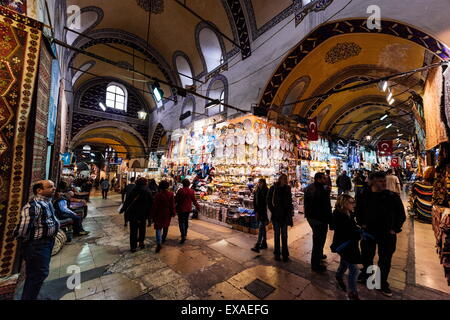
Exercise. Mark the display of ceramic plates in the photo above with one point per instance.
(247, 124)
(282, 144)
(250, 138)
(230, 131)
(264, 154)
(273, 131)
(236, 140)
(291, 147)
(263, 131)
(210, 147)
(277, 132)
(269, 154)
(239, 125)
(241, 138)
(262, 141)
(229, 141)
(256, 126)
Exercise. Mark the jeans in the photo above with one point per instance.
(320, 231)
(262, 236)
(183, 222)
(161, 235)
(280, 230)
(37, 255)
(352, 274)
(386, 247)
(137, 233)
(77, 226)
(105, 193)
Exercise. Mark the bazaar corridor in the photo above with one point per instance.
(216, 263)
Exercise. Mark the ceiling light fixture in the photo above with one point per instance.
(389, 125)
(101, 104)
(384, 117)
(383, 85)
(390, 95)
(142, 114)
(391, 101)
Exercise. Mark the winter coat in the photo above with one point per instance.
(279, 201)
(260, 204)
(346, 237)
(163, 209)
(344, 182)
(184, 199)
(317, 203)
(138, 204)
(384, 213)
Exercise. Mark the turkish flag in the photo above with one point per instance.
(385, 148)
(395, 162)
(313, 132)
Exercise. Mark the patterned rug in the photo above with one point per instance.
(20, 39)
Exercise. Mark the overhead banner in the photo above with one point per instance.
(313, 131)
(19, 52)
(385, 148)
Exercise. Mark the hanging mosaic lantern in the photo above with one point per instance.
(155, 6)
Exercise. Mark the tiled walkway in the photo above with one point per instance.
(216, 263)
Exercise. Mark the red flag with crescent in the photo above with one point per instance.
(395, 162)
(313, 132)
(385, 148)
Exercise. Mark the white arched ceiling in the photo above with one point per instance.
(184, 68)
(85, 67)
(85, 20)
(211, 50)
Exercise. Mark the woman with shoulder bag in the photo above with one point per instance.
(346, 243)
(260, 207)
(137, 208)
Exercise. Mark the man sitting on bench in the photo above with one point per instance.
(62, 211)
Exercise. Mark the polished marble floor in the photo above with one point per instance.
(216, 263)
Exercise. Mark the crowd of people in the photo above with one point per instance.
(362, 224)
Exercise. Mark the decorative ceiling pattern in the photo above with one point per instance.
(342, 51)
(155, 6)
(156, 138)
(241, 25)
(327, 31)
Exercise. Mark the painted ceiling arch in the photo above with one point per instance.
(345, 53)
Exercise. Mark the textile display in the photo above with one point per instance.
(422, 194)
(447, 95)
(441, 228)
(434, 125)
(20, 39)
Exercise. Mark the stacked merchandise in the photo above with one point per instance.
(441, 227)
(421, 200)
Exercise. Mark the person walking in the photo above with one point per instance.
(260, 207)
(359, 183)
(62, 211)
(317, 205)
(279, 199)
(392, 182)
(36, 233)
(346, 243)
(137, 208)
(344, 183)
(105, 188)
(125, 193)
(381, 214)
(162, 213)
(328, 184)
(184, 199)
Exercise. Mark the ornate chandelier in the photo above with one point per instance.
(155, 6)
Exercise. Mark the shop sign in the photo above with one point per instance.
(66, 158)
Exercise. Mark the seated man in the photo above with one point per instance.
(62, 211)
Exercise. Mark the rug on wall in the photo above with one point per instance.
(20, 39)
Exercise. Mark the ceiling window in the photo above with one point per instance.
(211, 49)
(217, 92)
(116, 97)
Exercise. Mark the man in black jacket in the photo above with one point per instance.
(344, 183)
(318, 213)
(381, 214)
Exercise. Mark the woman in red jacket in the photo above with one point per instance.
(184, 199)
(164, 210)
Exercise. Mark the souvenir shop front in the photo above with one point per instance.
(225, 159)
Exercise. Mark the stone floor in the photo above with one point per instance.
(216, 263)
